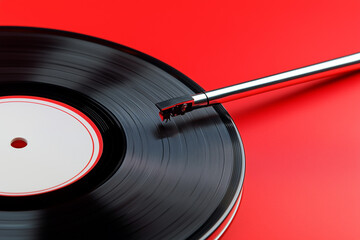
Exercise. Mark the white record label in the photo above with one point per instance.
(44, 145)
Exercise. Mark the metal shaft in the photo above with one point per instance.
(300, 75)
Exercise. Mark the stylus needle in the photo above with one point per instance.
(187, 103)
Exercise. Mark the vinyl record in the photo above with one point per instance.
(84, 154)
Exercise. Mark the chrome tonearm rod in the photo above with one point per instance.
(187, 103)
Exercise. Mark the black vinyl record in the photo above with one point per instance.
(154, 180)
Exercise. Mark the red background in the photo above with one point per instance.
(301, 143)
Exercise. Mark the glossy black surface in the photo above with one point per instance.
(170, 180)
